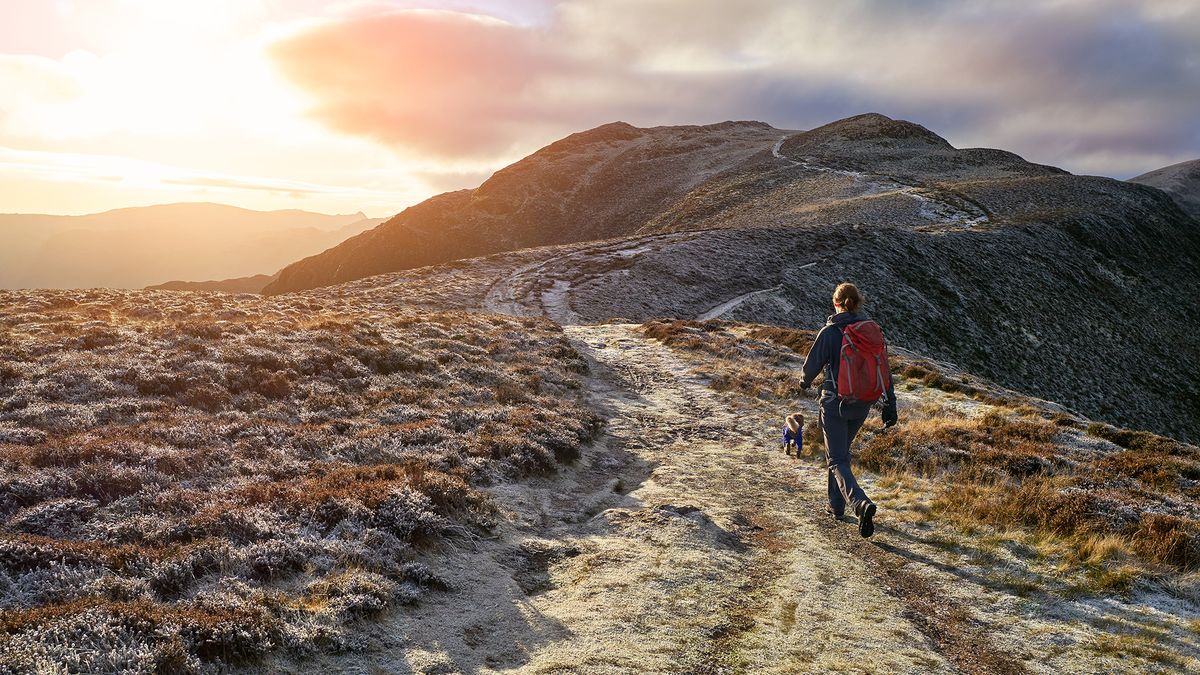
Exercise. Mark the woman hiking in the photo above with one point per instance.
(851, 346)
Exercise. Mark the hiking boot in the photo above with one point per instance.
(866, 519)
(836, 516)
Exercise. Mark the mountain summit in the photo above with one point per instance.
(617, 179)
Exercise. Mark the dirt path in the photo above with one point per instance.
(727, 306)
(542, 288)
(686, 542)
(725, 561)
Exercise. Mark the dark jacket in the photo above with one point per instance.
(825, 355)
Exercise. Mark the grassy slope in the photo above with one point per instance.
(1084, 537)
(190, 479)
(1114, 496)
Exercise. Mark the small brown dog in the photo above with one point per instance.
(793, 435)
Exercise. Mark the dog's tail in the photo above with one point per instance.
(795, 423)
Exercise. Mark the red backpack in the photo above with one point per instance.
(863, 375)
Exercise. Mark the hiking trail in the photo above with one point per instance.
(542, 288)
(727, 306)
(684, 541)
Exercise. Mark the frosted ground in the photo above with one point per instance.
(328, 481)
(193, 479)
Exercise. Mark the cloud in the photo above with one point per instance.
(446, 181)
(442, 83)
(1059, 80)
(30, 87)
(35, 79)
(82, 168)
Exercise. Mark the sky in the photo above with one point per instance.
(374, 105)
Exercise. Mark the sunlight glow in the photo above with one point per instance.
(178, 99)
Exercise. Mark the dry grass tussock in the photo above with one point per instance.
(188, 480)
(1109, 496)
(761, 364)
(1110, 504)
(930, 375)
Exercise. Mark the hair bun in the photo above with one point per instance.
(848, 296)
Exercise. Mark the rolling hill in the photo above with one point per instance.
(250, 284)
(136, 247)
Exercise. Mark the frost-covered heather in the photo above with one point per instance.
(193, 479)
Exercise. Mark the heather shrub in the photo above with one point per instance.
(9, 374)
(1014, 446)
(1168, 539)
(54, 517)
(190, 480)
(799, 341)
(759, 362)
(933, 377)
(353, 594)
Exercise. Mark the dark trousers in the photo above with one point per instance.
(841, 424)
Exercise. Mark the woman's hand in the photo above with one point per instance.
(889, 417)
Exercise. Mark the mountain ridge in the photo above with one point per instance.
(973, 256)
(163, 208)
(250, 284)
(574, 189)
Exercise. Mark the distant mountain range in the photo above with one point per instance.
(250, 284)
(135, 247)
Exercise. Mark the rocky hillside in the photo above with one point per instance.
(1181, 181)
(617, 180)
(606, 182)
(1085, 329)
(1077, 289)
